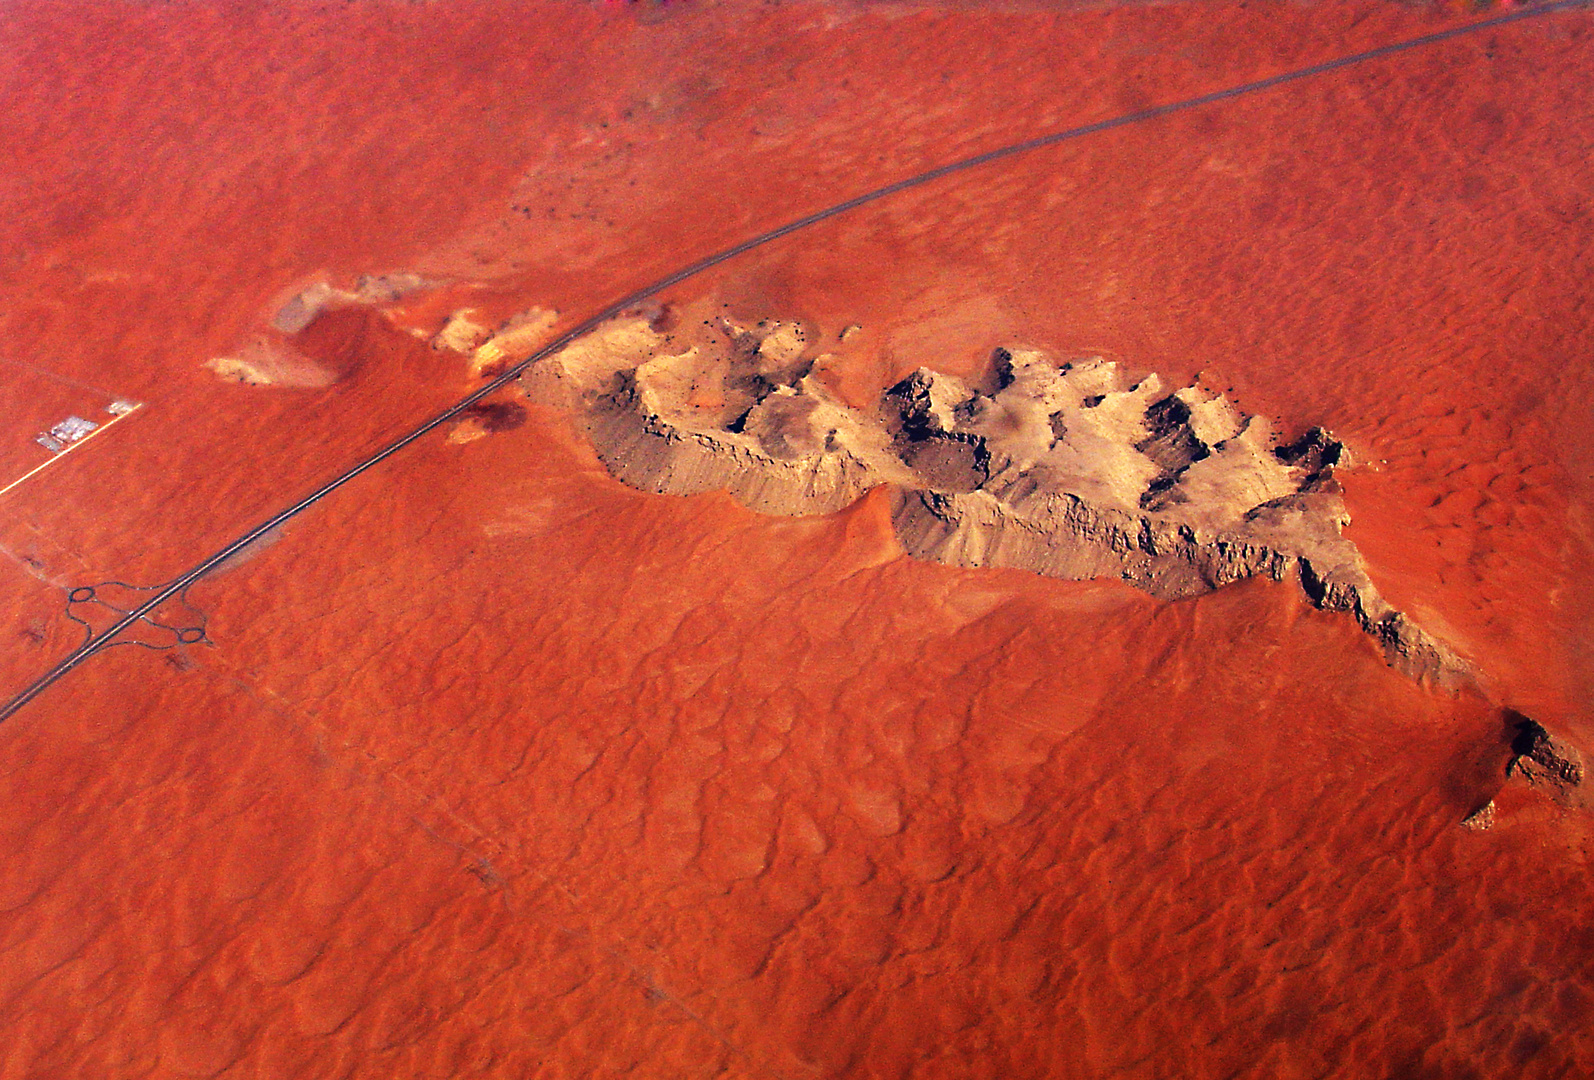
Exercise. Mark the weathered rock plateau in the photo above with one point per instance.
(1067, 470)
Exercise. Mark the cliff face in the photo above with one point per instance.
(1059, 469)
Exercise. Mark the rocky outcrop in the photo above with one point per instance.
(1176, 493)
(1546, 763)
(271, 357)
(268, 361)
(491, 352)
(1059, 469)
(1482, 819)
(372, 290)
(734, 410)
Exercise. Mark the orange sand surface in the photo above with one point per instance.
(495, 767)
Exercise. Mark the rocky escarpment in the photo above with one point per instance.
(1541, 763)
(1546, 763)
(1066, 470)
(1176, 493)
(731, 408)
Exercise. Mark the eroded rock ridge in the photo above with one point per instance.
(1067, 470)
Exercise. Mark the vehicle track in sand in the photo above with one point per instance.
(180, 584)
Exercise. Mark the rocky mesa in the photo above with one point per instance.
(1065, 469)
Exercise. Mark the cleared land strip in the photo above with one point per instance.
(100, 429)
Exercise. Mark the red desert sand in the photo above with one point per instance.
(491, 765)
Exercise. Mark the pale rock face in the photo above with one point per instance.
(1213, 418)
(377, 289)
(1062, 470)
(1240, 473)
(784, 345)
(303, 307)
(462, 333)
(788, 425)
(238, 369)
(264, 362)
(515, 341)
(588, 365)
(704, 420)
(1081, 431)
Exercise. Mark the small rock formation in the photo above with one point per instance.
(269, 358)
(301, 309)
(741, 413)
(1062, 470)
(1481, 819)
(1546, 763)
(511, 343)
(462, 333)
(483, 419)
(266, 361)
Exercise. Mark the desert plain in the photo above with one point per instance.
(491, 764)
